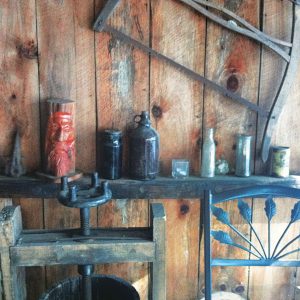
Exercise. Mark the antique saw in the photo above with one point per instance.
(240, 26)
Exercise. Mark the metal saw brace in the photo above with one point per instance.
(249, 31)
(101, 25)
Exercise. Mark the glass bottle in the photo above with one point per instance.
(143, 149)
(243, 155)
(112, 154)
(208, 161)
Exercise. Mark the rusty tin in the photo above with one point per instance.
(280, 166)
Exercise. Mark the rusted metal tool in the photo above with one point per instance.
(100, 25)
(84, 199)
(14, 166)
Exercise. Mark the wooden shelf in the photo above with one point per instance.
(160, 188)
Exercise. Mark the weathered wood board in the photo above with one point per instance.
(122, 92)
(67, 70)
(233, 61)
(265, 283)
(19, 105)
(177, 114)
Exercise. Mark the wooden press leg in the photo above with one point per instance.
(158, 268)
(13, 278)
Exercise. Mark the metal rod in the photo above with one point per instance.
(234, 27)
(207, 243)
(288, 253)
(289, 243)
(105, 14)
(255, 233)
(243, 22)
(245, 239)
(285, 231)
(85, 221)
(86, 270)
(196, 76)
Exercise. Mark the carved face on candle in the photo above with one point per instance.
(60, 144)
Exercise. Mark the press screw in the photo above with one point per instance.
(86, 272)
(85, 221)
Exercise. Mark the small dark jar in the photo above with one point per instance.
(112, 154)
(143, 149)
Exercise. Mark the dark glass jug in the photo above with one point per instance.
(143, 149)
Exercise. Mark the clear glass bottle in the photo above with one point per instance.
(243, 155)
(208, 154)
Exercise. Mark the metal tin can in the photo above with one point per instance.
(280, 161)
(243, 155)
(112, 154)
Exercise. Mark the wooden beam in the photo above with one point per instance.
(160, 188)
(13, 278)
(158, 279)
(82, 253)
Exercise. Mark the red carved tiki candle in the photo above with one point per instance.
(60, 138)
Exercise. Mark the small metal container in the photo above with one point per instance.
(280, 161)
(112, 154)
(243, 155)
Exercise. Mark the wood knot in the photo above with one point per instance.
(28, 50)
(13, 96)
(232, 83)
(157, 112)
(199, 142)
(184, 209)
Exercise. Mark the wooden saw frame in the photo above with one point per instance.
(240, 26)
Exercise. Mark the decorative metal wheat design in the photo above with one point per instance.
(246, 213)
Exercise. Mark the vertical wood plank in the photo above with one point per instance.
(19, 105)
(158, 276)
(67, 70)
(277, 22)
(265, 283)
(122, 92)
(13, 278)
(176, 105)
(35, 276)
(232, 61)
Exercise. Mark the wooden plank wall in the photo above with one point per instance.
(47, 49)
